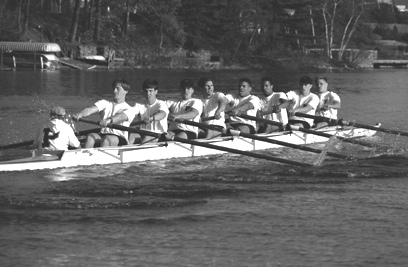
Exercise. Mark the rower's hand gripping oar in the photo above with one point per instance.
(354, 124)
(196, 143)
(259, 138)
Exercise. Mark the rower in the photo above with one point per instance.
(301, 100)
(269, 107)
(56, 133)
(243, 103)
(213, 106)
(152, 111)
(329, 103)
(186, 108)
(112, 112)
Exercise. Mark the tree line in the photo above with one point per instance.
(235, 29)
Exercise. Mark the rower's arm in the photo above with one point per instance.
(303, 109)
(86, 112)
(116, 119)
(188, 115)
(285, 103)
(243, 108)
(159, 115)
(336, 104)
(222, 103)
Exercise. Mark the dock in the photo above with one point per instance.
(390, 63)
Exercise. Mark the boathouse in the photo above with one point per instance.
(29, 55)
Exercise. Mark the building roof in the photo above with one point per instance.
(30, 47)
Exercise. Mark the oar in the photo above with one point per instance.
(80, 133)
(300, 129)
(259, 138)
(208, 118)
(354, 124)
(25, 143)
(95, 130)
(196, 143)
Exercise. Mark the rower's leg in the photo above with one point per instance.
(92, 140)
(182, 135)
(202, 133)
(275, 128)
(212, 134)
(243, 128)
(321, 125)
(134, 138)
(110, 140)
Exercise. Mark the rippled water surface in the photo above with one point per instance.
(223, 210)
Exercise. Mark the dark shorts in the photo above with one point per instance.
(262, 128)
(190, 135)
(122, 140)
(304, 123)
(251, 128)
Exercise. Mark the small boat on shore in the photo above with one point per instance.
(94, 60)
(177, 149)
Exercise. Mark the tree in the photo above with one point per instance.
(87, 15)
(126, 20)
(384, 13)
(160, 19)
(74, 23)
(341, 19)
(97, 20)
(3, 5)
(26, 14)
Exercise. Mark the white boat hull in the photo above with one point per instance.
(135, 153)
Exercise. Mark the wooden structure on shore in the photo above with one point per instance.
(29, 55)
(390, 63)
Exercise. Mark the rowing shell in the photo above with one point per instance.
(168, 150)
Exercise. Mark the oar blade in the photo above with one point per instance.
(17, 145)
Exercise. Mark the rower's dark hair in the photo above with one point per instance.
(320, 78)
(187, 83)
(267, 79)
(150, 84)
(202, 81)
(247, 80)
(122, 82)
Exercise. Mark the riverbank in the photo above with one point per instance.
(299, 62)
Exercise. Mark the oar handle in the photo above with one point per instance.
(123, 128)
(275, 109)
(136, 123)
(201, 125)
(210, 118)
(304, 115)
(248, 117)
(354, 124)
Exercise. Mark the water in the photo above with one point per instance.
(220, 210)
